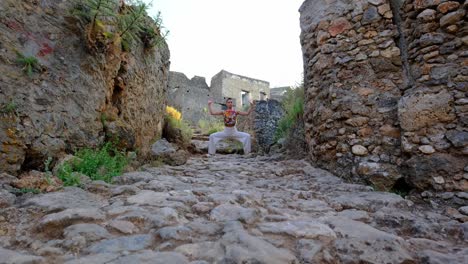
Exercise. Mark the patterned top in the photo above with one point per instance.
(230, 117)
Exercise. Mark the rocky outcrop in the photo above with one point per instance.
(385, 88)
(75, 98)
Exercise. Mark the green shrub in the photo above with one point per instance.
(10, 107)
(293, 104)
(29, 63)
(184, 127)
(130, 22)
(91, 11)
(209, 127)
(27, 190)
(98, 164)
(152, 37)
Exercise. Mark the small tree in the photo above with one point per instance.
(92, 13)
(130, 23)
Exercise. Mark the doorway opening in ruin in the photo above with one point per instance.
(245, 98)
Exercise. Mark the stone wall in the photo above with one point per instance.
(190, 96)
(75, 99)
(434, 111)
(386, 89)
(353, 78)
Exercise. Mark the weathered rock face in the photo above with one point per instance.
(353, 77)
(77, 99)
(386, 90)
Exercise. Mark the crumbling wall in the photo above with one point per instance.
(190, 96)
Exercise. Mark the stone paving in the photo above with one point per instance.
(227, 209)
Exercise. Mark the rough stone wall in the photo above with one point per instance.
(386, 90)
(262, 124)
(77, 99)
(433, 112)
(190, 96)
(353, 76)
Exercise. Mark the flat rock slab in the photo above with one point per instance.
(53, 223)
(362, 243)
(299, 229)
(148, 198)
(150, 257)
(70, 197)
(228, 212)
(126, 243)
(10, 256)
(241, 247)
(369, 201)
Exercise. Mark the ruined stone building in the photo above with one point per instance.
(190, 96)
(277, 93)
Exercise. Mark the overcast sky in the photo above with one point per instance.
(254, 38)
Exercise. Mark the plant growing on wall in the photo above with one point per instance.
(29, 63)
(98, 17)
(93, 13)
(130, 23)
(293, 104)
(8, 108)
(154, 35)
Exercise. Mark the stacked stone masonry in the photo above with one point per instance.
(386, 90)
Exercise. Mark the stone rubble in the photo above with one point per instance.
(229, 209)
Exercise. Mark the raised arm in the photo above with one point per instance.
(249, 111)
(210, 102)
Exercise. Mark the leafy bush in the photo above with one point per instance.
(130, 23)
(98, 164)
(174, 113)
(184, 128)
(8, 108)
(293, 104)
(29, 63)
(152, 37)
(92, 11)
(209, 127)
(176, 129)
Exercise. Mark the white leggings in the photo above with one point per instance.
(232, 133)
